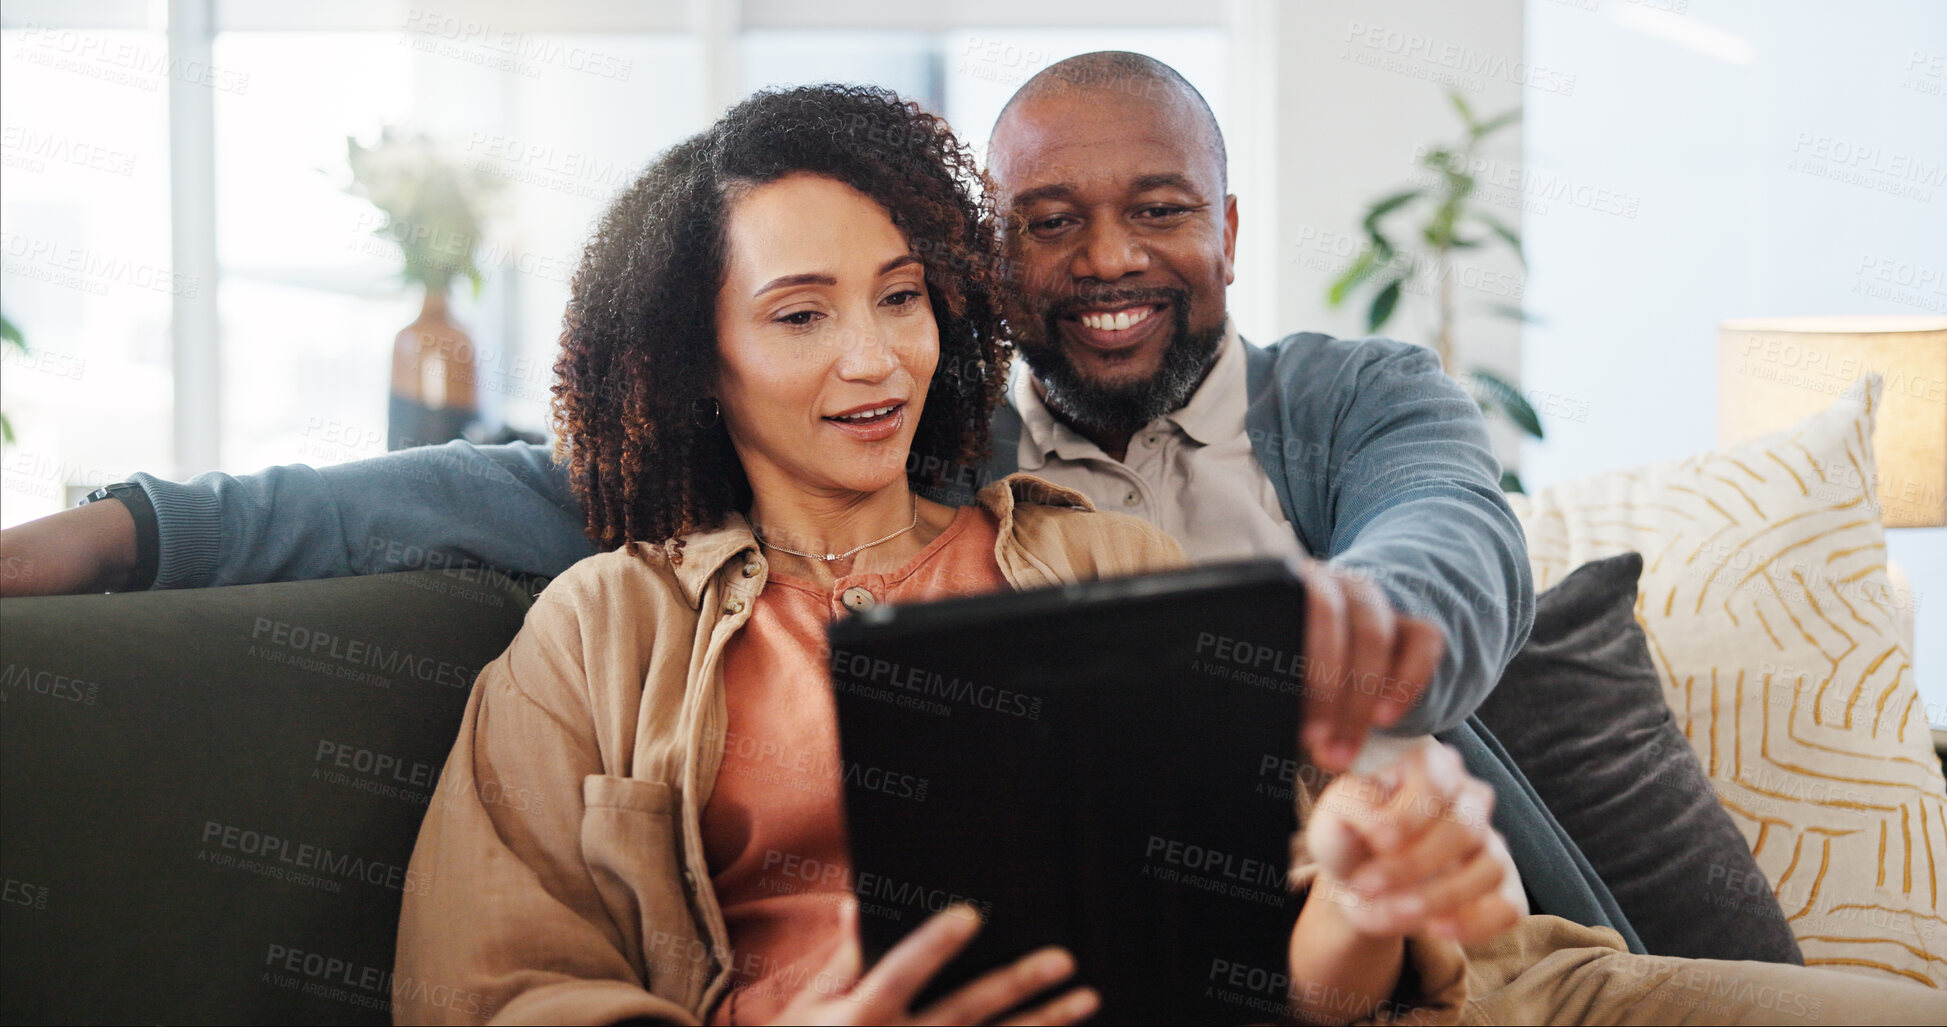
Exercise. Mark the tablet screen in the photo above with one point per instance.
(1105, 766)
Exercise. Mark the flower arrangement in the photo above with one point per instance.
(434, 204)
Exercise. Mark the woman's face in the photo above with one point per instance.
(825, 337)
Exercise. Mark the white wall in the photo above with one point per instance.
(1360, 87)
(1727, 127)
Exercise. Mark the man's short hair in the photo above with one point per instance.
(1121, 71)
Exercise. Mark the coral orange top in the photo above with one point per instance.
(774, 828)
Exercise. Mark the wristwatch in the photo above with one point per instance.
(148, 539)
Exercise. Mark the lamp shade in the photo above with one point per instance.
(1774, 372)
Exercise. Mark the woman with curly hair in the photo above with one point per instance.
(788, 326)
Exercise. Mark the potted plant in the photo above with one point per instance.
(1417, 231)
(434, 205)
(10, 338)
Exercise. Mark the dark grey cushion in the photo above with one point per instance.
(1581, 710)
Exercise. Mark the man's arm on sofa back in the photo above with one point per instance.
(456, 505)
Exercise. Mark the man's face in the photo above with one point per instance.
(1124, 241)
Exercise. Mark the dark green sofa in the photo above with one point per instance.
(208, 798)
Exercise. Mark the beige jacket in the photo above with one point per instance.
(561, 861)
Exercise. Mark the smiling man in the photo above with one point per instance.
(1125, 239)
(1358, 459)
(1361, 455)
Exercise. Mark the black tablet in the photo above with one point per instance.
(1106, 766)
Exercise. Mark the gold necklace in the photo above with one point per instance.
(831, 557)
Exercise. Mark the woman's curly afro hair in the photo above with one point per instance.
(639, 346)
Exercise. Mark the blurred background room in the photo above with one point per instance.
(239, 234)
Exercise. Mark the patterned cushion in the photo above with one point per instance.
(1765, 599)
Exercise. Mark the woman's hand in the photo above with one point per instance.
(839, 995)
(1407, 851)
(1411, 850)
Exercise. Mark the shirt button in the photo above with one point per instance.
(735, 606)
(856, 598)
(1132, 499)
(750, 568)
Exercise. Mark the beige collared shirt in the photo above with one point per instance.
(1190, 472)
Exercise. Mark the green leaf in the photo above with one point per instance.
(1362, 268)
(1512, 312)
(1511, 482)
(1466, 112)
(1495, 393)
(1438, 232)
(1383, 304)
(1497, 122)
(1508, 235)
(1387, 206)
(10, 333)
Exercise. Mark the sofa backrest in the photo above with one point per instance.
(210, 796)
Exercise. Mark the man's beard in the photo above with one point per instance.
(1123, 407)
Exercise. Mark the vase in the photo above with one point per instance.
(434, 378)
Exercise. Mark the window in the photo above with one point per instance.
(561, 105)
(311, 299)
(84, 233)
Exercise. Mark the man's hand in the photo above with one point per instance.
(885, 995)
(1366, 665)
(88, 549)
(1411, 850)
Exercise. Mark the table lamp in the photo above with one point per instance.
(1774, 372)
